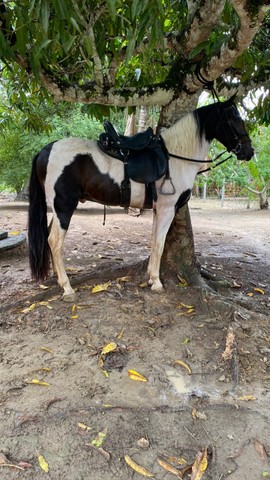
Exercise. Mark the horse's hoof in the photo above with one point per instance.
(69, 297)
(157, 288)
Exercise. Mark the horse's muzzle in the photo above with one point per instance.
(246, 152)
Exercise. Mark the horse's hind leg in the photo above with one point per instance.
(56, 239)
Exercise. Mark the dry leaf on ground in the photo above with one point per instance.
(183, 364)
(200, 465)
(133, 375)
(43, 464)
(167, 466)
(137, 468)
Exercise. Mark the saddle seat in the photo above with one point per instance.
(144, 154)
(135, 142)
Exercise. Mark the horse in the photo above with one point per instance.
(74, 169)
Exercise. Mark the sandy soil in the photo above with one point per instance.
(90, 413)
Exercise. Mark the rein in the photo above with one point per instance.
(204, 161)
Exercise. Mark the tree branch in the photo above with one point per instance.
(229, 52)
(206, 15)
(126, 97)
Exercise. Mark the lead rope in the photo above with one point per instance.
(104, 214)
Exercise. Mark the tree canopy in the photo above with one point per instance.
(133, 52)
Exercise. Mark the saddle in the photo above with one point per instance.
(144, 154)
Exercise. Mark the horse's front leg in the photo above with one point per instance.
(153, 241)
(164, 217)
(56, 240)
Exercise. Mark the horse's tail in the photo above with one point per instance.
(39, 252)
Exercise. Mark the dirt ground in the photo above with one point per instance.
(203, 396)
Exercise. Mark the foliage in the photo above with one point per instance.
(90, 51)
(19, 145)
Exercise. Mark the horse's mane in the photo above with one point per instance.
(182, 137)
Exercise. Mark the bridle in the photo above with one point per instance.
(235, 150)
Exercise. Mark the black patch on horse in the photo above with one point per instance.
(82, 180)
(183, 199)
(42, 162)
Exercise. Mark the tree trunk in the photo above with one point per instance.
(142, 119)
(179, 253)
(263, 200)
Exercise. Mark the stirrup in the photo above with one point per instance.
(162, 185)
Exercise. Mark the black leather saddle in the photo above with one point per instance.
(144, 154)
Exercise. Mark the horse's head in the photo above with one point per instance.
(231, 131)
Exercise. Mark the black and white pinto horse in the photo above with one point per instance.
(75, 169)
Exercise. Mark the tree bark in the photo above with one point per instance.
(179, 257)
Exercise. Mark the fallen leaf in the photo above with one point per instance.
(35, 381)
(120, 334)
(181, 304)
(183, 364)
(25, 465)
(106, 373)
(133, 375)
(193, 413)
(43, 287)
(43, 464)
(46, 349)
(104, 453)
(110, 347)
(99, 439)
(143, 284)
(83, 426)
(236, 285)
(259, 290)
(259, 449)
(185, 341)
(101, 287)
(247, 398)
(250, 294)
(177, 460)
(199, 415)
(137, 468)
(266, 474)
(182, 282)
(42, 369)
(29, 309)
(167, 466)
(200, 465)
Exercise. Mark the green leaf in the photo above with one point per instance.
(75, 24)
(61, 9)
(34, 59)
(88, 45)
(112, 8)
(45, 14)
(130, 47)
(22, 33)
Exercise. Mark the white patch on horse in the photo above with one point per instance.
(62, 154)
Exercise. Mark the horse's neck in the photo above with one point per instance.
(183, 138)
